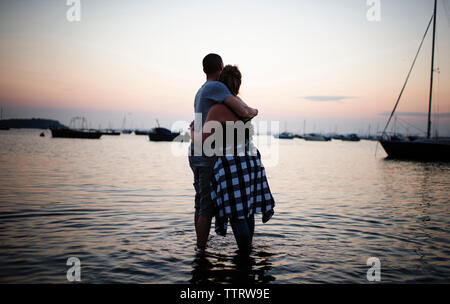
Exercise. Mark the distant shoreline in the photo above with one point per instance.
(30, 123)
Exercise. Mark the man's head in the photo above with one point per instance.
(212, 65)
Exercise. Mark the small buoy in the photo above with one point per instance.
(42, 134)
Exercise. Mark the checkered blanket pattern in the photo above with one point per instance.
(240, 189)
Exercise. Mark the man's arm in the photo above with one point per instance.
(240, 107)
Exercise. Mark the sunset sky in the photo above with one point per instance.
(321, 61)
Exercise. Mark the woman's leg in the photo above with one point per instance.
(251, 226)
(242, 234)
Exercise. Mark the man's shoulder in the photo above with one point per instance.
(215, 91)
(212, 85)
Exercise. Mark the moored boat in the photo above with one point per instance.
(350, 137)
(316, 137)
(110, 132)
(285, 135)
(75, 133)
(141, 132)
(163, 134)
(416, 148)
(71, 132)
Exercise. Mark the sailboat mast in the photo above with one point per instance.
(432, 71)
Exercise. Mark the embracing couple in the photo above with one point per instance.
(230, 186)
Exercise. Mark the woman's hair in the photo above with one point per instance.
(231, 77)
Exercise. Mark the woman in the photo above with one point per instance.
(239, 186)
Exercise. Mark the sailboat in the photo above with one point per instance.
(418, 148)
(82, 132)
(285, 134)
(123, 130)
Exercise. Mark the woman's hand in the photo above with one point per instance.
(191, 128)
(252, 112)
(240, 107)
(198, 136)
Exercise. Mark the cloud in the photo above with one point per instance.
(321, 98)
(417, 114)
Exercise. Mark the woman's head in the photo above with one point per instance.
(231, 77)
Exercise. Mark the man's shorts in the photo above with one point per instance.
(203, 202)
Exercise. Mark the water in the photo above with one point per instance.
(124, 207)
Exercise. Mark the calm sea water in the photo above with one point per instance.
(124, 207)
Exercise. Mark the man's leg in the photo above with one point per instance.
(203, 226)
(197, 198)
(206, 209)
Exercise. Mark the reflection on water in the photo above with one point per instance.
(235, 269)
(124, 207)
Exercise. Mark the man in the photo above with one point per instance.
(211, 92)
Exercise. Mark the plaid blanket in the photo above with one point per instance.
(240, 188)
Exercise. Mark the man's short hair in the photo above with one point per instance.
(212, 63)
